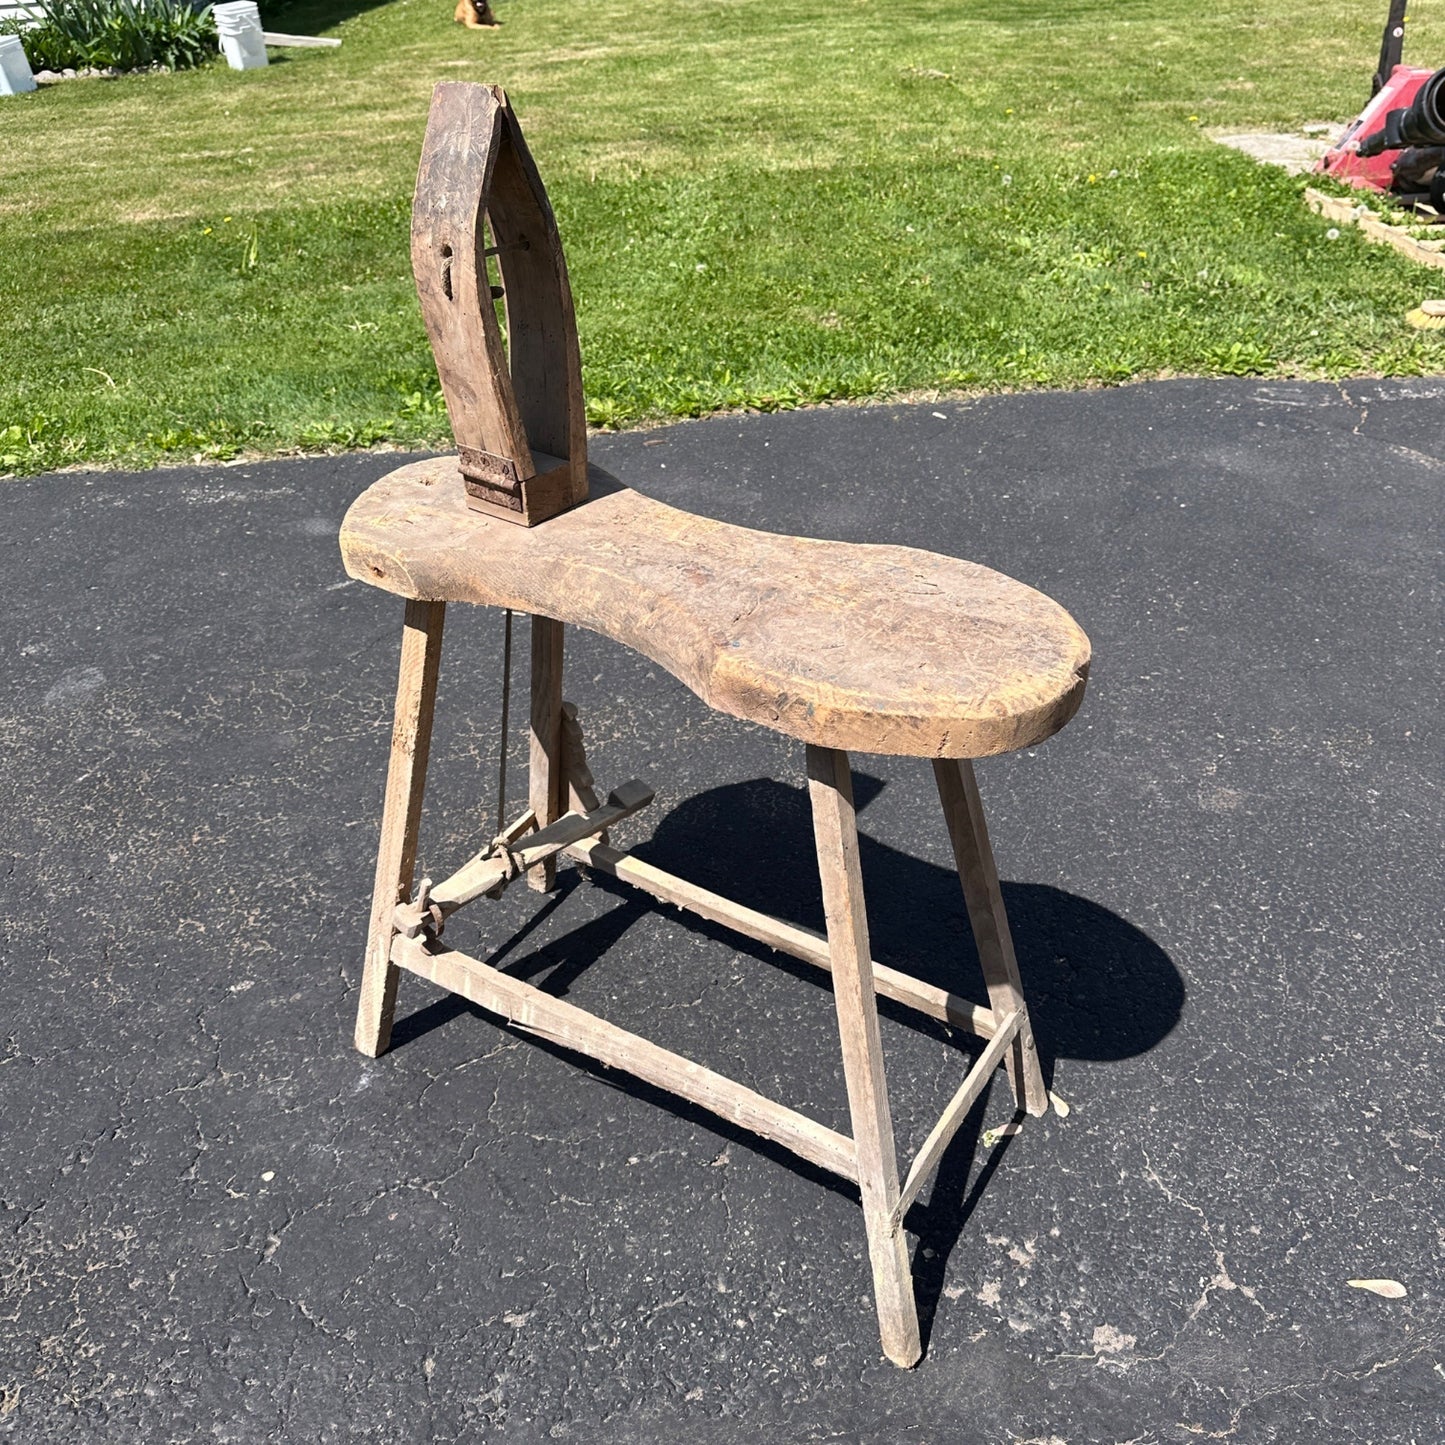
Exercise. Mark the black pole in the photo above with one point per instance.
(1392, 44)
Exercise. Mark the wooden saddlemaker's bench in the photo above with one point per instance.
(873, 648)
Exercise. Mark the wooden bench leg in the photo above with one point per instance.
(830, 785)
(548, 791)
(963, 811)
(421, 650)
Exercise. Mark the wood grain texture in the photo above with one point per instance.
(977, 872)
(421, 650)
(448, 237)
(517, 409)
(547, 783)
(527, 1008)
(581, 785)
(956, 1111)
(543, 354)
(483, 873)
(844, 645)
(830, 786)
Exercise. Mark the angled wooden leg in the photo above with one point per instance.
(830, 785)
(963, 811)
(548, 790)
(416, 690)
(581, 785)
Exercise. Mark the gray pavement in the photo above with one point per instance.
(217, 1221)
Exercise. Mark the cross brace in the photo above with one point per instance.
(526, 1007)
(404, 936)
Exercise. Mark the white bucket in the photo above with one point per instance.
(15, 76)
(238, 28)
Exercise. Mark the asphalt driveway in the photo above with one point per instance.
(218, 1221)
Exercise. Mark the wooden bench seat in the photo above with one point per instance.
(870, 648)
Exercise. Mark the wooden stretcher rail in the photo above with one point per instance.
(955, 1113)
(925, 998)
(528, 1008)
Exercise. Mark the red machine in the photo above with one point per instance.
(1397, 143)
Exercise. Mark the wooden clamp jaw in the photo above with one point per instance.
(507, 858)
(516, 409)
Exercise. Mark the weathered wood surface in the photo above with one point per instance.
(879, 649)
(516, 410)
(1352, 213)
(547, 784)
(581, 785)
(951, 1120)
(481, 874)
(301, 42)
(977, 872)
(527, 1008)
(830, 786)
(416, 691)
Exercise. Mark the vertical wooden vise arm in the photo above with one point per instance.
(516, 409)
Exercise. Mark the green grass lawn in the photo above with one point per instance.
(764, 202)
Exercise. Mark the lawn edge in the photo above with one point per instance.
(910, 396)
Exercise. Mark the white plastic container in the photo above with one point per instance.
(238, 28)
(15, 76)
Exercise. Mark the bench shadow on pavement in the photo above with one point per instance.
(1098, 988)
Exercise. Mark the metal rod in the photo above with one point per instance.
(1392, 45)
